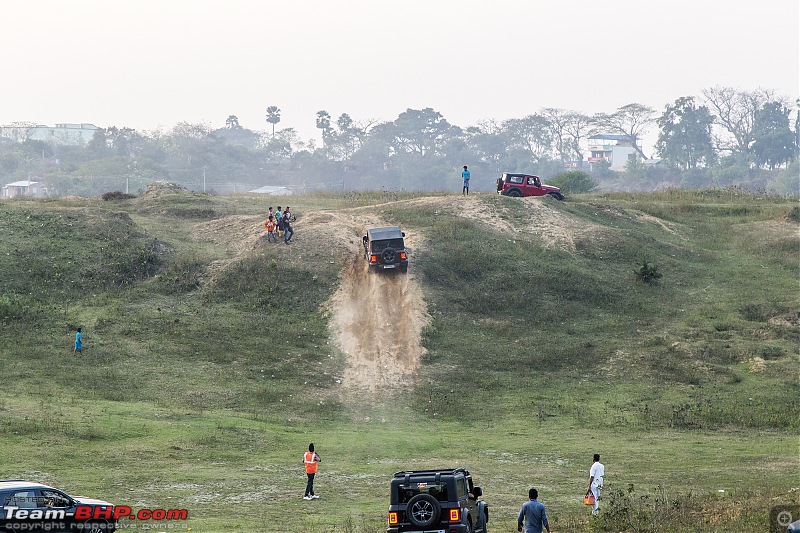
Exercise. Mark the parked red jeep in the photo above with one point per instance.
(509, 184)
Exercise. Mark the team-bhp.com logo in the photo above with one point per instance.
(90, 512)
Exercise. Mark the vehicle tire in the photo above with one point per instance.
(403, 268)
(388, 255)
(557, 195)
(516, 193)
(423, 510)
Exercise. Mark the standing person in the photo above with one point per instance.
(596, 473)
(288, 231)
(465, 177)
(279, 218)
(534, 514)
(270, 225)
(310, 460)
(78, 349)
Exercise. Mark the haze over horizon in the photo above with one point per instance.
(150, 64)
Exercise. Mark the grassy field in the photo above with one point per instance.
(209, 365)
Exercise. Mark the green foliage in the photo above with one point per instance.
(574, 182)
(648, 272)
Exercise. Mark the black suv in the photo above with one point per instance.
(436, 501)
(28, 506)
(384, 248)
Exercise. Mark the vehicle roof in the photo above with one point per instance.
(519, 174)
(435, 474)
(19, 484)
(388, 232)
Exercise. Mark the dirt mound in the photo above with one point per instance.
(158, 188)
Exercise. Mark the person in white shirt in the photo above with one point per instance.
(596, 473)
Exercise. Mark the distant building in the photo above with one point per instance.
(616, 149)
(274, 190)
(23, 188)
(63, 134)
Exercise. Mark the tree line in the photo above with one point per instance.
(725, 137)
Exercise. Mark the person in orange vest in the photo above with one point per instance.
(310, 459)
(270, 225)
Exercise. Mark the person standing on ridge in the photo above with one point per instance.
(465, 177)
(310, 460)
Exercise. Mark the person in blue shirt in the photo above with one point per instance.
(534, 515)
(465, 177)
(78, 343)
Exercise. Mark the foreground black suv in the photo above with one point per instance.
(28, 506)
(384, 248)
(436, 501)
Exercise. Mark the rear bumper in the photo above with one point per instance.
(454, 528)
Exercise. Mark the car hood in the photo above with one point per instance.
(91, 501)
(550, 188)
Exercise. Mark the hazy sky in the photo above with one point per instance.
(153, 63)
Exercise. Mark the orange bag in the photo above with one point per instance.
(588, 499)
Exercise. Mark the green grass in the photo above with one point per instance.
(204, 395)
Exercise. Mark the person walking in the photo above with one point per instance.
(596, 473)
(78, 349)
(288, 231)
(310, 460)
(465, 177)
(270, 225)
(533, 514)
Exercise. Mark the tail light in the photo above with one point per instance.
(373, 259)
(455, 515)
(403, 256)
(393, 518)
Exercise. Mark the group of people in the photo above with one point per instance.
(279, 222)
(533, 516)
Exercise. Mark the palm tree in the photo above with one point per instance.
(273, 117)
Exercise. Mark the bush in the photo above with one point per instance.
(117, 195)
(648, 272)
(574, 182)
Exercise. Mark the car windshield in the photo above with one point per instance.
(379, 246)
(438, 491)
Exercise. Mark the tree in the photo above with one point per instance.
(273, 117)
(735, 111)
(773, 140)
(685, 138)
(532, 134)
(420, 131)
(232, 122)
(630, 120)
(324, 124)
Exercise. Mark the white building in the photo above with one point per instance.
(66, 133)
(616, 149)
(23, 188)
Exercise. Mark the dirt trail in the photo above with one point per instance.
(377, 318)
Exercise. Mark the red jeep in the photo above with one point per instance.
(511, 184)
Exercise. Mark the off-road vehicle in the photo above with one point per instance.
(436, 501)
(512, 184)
(29, 506)
(385, 248)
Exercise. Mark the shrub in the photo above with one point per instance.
(647, 272)
(574, 182)
(117, 195)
